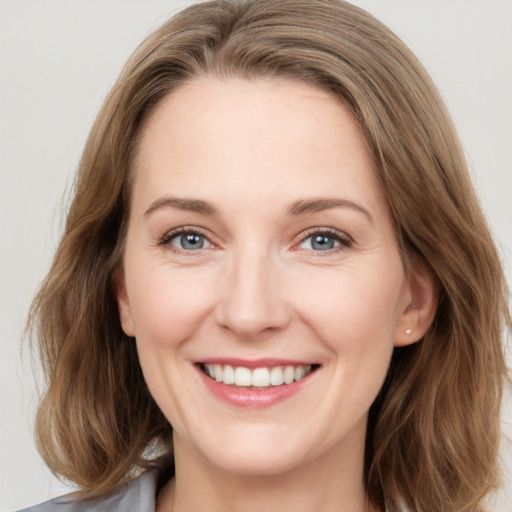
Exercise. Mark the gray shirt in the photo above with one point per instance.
(136, 496)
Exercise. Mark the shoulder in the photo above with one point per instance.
(137, 495)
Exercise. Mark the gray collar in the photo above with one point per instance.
(138, 495)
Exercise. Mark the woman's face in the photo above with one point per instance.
(262, 277)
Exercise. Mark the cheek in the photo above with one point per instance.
(168, 307)
(354, 311)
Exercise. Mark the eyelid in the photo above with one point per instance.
(168, 236)
(344, 239)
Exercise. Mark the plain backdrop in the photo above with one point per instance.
(58, 59)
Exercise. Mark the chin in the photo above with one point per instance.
(260, 453)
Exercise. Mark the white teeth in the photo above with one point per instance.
(243, 376)
(229, 375)
(276, 376)
(300, 372)
(259, 377)
(289, 374)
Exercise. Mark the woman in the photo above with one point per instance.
(275, 287)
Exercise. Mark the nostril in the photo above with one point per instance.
(252, 301)
(249, 319)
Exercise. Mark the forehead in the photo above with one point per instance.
(265, 139)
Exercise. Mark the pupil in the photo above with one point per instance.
(191, 241)
(322, 243)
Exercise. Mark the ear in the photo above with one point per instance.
(420, 303)
(123, 304)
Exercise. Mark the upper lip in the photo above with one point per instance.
(254, 363)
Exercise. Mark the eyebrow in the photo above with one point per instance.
(299, 207)
(303, 206)
(191, 205)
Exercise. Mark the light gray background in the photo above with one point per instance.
(58, 58)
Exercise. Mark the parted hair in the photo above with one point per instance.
(433, 432)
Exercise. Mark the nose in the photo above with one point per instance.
(252, 300)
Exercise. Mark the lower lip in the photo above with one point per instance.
(252, 398)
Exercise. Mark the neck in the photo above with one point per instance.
(331, 483)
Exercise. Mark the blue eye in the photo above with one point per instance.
(188, 241)
(320, 242)
(324, 241)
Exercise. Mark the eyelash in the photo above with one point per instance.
(168, 237)
(344, 241)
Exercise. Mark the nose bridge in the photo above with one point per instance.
(252, 301)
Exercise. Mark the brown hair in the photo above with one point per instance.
(434, 430)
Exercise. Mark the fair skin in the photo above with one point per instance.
(258, 239)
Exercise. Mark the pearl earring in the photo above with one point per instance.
(408, 331)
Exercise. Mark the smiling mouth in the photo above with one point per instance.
(257, 378)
